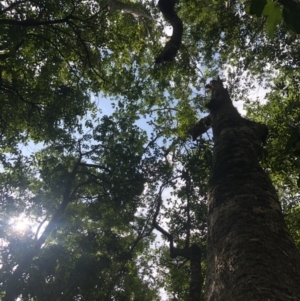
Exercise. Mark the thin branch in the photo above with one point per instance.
(39, 228)
(129, 252)
(11, 89)
(95, 166)
(154, 220)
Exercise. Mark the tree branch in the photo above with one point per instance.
(95, 166)
(171, 48)
(130, 8)
(200, 127)
(32, 23)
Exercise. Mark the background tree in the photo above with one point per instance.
(87, 233)
(281, 114)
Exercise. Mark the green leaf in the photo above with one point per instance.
(257, 7)
(273, 11)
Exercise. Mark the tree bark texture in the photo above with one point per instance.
(250, 253)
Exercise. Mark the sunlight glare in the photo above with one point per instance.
(20, 224)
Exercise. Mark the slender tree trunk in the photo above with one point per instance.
(251, 255)
(196, 274)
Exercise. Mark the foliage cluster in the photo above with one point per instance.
(93, 189)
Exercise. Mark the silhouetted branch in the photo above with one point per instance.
(172, 46)
(200, 127)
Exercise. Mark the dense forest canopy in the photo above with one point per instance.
(112, 206)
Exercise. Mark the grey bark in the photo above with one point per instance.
(250, 253)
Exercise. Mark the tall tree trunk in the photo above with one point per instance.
(251, 255)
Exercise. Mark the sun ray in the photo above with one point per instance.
(20, 224)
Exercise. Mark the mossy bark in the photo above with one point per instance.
(250, 253)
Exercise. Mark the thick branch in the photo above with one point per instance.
(171, 48)
(33, 23)
(200, 127)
